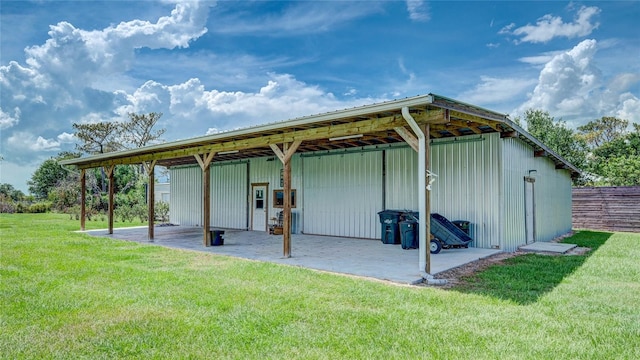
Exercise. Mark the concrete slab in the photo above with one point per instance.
(550, 247)
(360, 257)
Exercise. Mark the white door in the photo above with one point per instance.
(259, 208)
(529, 212)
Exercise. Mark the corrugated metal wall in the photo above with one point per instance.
(185, 205)
(343, 194)
(267, 170)
(229, 201)
(467, 186)
(552, 191)
(480, 179)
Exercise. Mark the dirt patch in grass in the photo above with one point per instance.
(454, 276)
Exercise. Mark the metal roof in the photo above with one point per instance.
(373, 124)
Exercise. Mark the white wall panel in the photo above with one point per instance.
(185, 204)
(343, 194)
(467, 186)
(552, 191)
(229, 202)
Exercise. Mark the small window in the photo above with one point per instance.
(278, 198)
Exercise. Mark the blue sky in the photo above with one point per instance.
(213, 66)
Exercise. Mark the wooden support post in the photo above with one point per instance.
(286, 223)
(151, 198)
(112, 185)
(205, 162)
(83, 198)
(285, 157)
(206, 205)
(427, 195)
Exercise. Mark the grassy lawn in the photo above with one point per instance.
(69, 295)
(525, 278)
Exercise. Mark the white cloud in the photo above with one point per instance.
(22, 140)
(299, 17)
(571, 87)
(7, 120)
(549, 27)
(540, 59)
(418, 10)
(629, 108)
(65, 137)
(492, 90)
(60, 73)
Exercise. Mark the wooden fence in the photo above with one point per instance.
(607, 208)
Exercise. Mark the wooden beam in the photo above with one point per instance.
(112, 185)
(509, 134)
(408, 137)
(454, 131)
(206, 205)
(540, 153)
(475, 130)
(476, 119)
(278, 152)
(432, 116)
(83, 198)
(466, 124)
(198, 159)
(286, 223)
(325, 132)
(151, 197)
(292, 150)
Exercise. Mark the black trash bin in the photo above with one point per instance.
(390, 230)
(463, 225)
(216, 237)
(409, 234)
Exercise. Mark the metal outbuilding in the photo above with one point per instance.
(427, 153)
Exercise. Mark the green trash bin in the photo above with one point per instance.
(389, 220)
(409, 234)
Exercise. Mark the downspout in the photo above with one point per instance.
(422, 203)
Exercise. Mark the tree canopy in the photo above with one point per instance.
(604, 149)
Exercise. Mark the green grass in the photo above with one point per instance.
(66, 295)
(525, 278)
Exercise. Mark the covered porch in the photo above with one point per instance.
(350, 256)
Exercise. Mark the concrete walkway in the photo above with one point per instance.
(361, 257)
(548, 247)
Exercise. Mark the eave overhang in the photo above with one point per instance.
(375, 123)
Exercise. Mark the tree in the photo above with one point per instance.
(556, 135)
(45, 178)
(138, 131)
(617, 162)
(606, 129)
(98, 138)
(9, 192)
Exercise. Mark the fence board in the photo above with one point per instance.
(607, 208)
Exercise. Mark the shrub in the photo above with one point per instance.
(141, 212)
(39, 208)
(162, 211)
